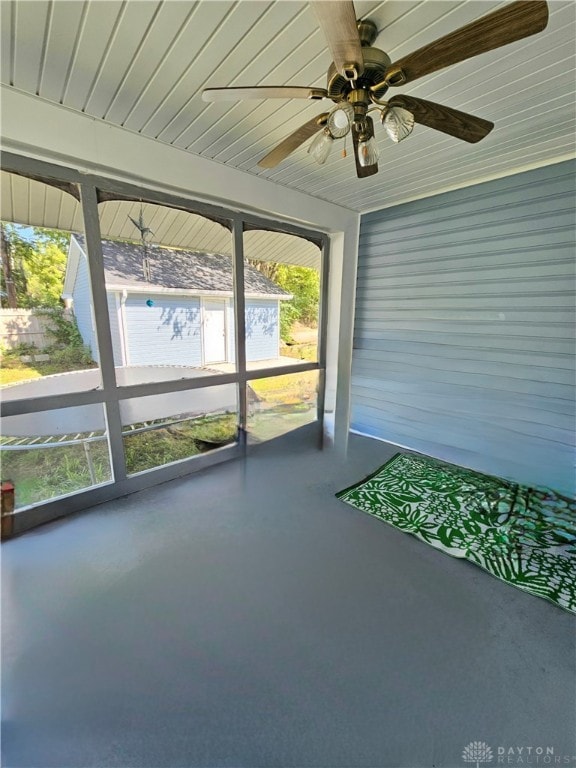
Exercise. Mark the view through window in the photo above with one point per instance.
(146, 303)
(169, 281)
(282, 282)
(41, 333)
(47, 346)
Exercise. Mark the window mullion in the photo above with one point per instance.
(103, 335)
(239, 321)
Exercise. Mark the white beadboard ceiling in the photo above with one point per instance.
(25, 201)
(142, 65)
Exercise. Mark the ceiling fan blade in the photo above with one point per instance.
(362, 170)
(292, 142)
(505, 25)
(263, 92)
(337, 19)
(459, 124)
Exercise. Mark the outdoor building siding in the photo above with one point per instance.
(167, 333)
(465, 327)
(170, 331)
(82, 306)
(262, 329)
(175, 329)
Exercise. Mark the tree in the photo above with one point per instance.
(268, 268)
(9, 289)
(304, 285)
(36, 261)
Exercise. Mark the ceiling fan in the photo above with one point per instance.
(360, 76)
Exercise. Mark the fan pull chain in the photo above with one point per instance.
(344, 153)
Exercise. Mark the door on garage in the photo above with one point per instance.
(214, 331)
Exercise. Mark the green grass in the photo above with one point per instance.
(307, 352)
(43, 473)
(13, 370)
(286, 389)
(144, 450)
(284, 403)
(16, 375)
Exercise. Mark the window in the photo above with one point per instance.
(279, 404)
(169, 281)
(54, 453)
(164, 429)
(183, 332)
(282, 297)
(47, 323)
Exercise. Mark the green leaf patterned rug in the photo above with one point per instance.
(524, 536)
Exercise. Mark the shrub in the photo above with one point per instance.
(71, 358)
(63, 329)
(23, 348)
(288, 316)
(68, 351)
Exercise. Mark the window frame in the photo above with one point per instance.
(91, 189)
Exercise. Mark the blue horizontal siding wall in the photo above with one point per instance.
(262, 329)
(167, 333)
(465, 327)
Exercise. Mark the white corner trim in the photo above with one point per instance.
(123, 326)
(72, 263)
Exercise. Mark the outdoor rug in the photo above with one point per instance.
(524, 536)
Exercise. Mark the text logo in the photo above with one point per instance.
(477, 752)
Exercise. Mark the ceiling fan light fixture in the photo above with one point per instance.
(368, 152)
(321, 146)
(360, 74)
(367, 147)
(398, 123)
(340, 119)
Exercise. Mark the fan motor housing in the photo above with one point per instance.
(376, 62)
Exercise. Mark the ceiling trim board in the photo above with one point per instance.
(482, 180)
(41, 129)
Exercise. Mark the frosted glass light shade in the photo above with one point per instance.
(321, 146)
(340, 119)
(368, 152)
(398, 123)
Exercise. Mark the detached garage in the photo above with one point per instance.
(173, 307)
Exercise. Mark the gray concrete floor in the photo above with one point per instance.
(246, 618)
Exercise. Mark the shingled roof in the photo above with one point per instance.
(172, 268)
